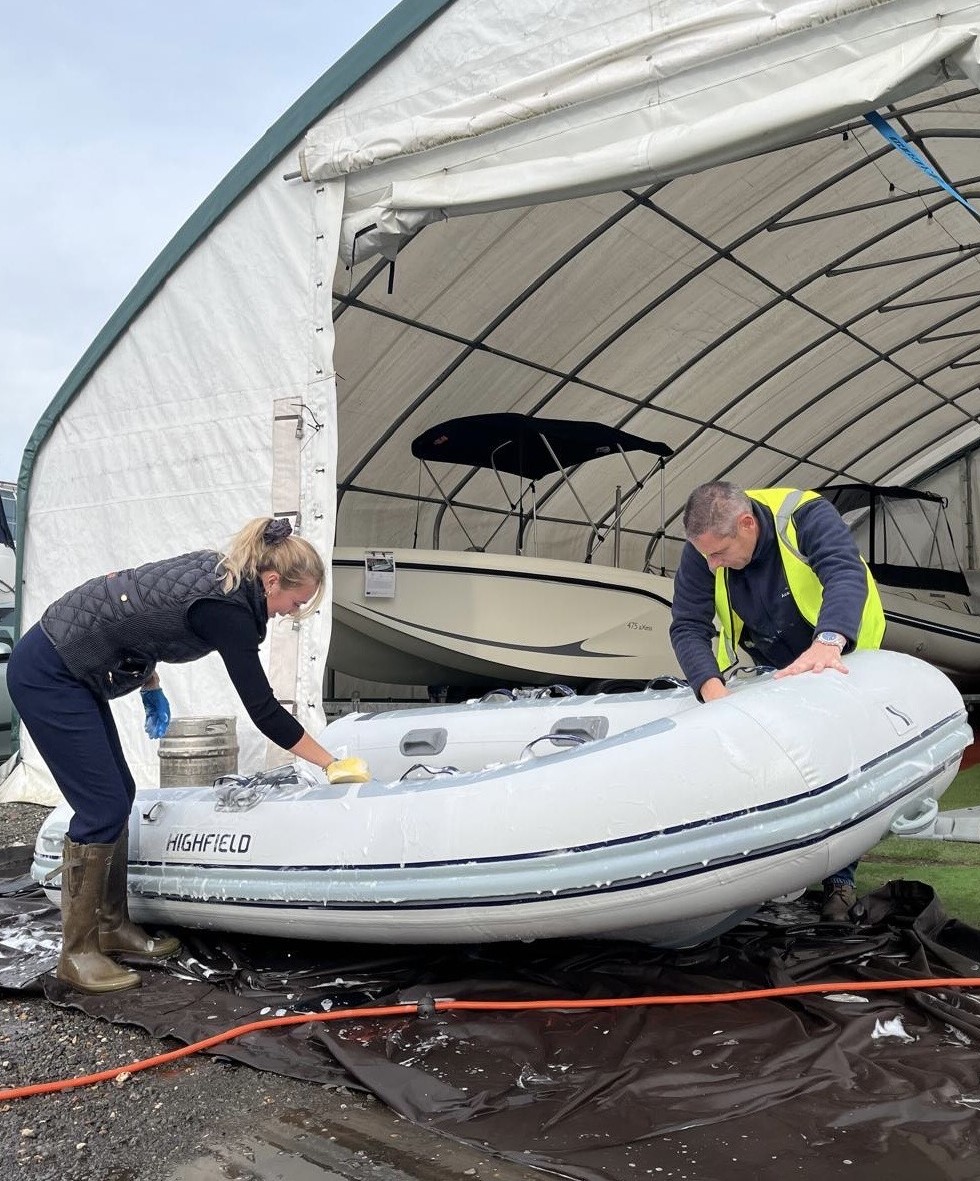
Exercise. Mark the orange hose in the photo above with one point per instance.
(449, 1006)
(194, 1047)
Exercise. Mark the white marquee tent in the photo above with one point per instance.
(672, 216)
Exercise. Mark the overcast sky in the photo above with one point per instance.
(117, 118)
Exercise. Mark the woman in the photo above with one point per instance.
(103, 640)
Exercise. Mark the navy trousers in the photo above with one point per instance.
(75, 733)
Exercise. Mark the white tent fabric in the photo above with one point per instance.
(665, 215)
(168, 448)
(704, 88)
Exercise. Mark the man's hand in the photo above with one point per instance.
(814, 660)
(714, 689)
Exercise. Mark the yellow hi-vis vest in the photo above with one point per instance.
(804, 585)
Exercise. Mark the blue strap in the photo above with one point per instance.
(889, 132)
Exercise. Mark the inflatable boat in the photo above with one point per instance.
(641, 815)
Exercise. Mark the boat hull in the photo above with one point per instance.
(935, 626)
(480, 620)
(670, 830)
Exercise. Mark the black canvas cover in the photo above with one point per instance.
(892, 508)
(6, 534)
(514, 443)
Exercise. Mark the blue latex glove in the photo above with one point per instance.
(157, 709)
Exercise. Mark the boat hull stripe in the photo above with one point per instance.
(598, 890)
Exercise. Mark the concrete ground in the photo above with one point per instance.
(357, 1140)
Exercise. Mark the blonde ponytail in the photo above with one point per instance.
(268, 543)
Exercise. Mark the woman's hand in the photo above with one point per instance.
(352, 770)
(157, 710)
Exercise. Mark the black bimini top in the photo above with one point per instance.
(847, 497)
(515, 443)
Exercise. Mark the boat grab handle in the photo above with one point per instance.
(905, 826)
(424, 742)
(590, 728)
(430, 771)
(562, 739)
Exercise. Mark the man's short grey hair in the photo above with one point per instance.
(715, 508)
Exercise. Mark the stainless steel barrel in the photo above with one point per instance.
(195, 751)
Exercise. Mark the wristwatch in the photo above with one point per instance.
(834, 638)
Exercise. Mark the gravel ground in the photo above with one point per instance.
(19, 823)
(171, 1122)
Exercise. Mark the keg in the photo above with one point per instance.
(195, 751)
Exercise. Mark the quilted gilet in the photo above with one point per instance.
(111, 631)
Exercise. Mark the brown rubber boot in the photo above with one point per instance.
(83, 881)
(117, 932)
(838, 903)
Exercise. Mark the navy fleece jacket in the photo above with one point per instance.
(775, 632)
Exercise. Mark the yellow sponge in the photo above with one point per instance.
(352, 770)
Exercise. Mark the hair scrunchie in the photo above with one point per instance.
(276, 531)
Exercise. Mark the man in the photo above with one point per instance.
(780, 571)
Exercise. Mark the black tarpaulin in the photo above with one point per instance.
(819, 1086)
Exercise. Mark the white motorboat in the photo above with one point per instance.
(641, 815)
(942, 627)
(480, 620)
(930, 608)
(477, 619)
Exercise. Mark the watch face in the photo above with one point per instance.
(834, 638)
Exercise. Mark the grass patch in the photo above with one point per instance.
(906, 851)
(964, 791)
(950, 867)
(955, 886)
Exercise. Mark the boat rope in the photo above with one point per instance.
(428, 1006)
(432, 772)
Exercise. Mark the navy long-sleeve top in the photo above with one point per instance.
(232, 632)
(775, 633)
